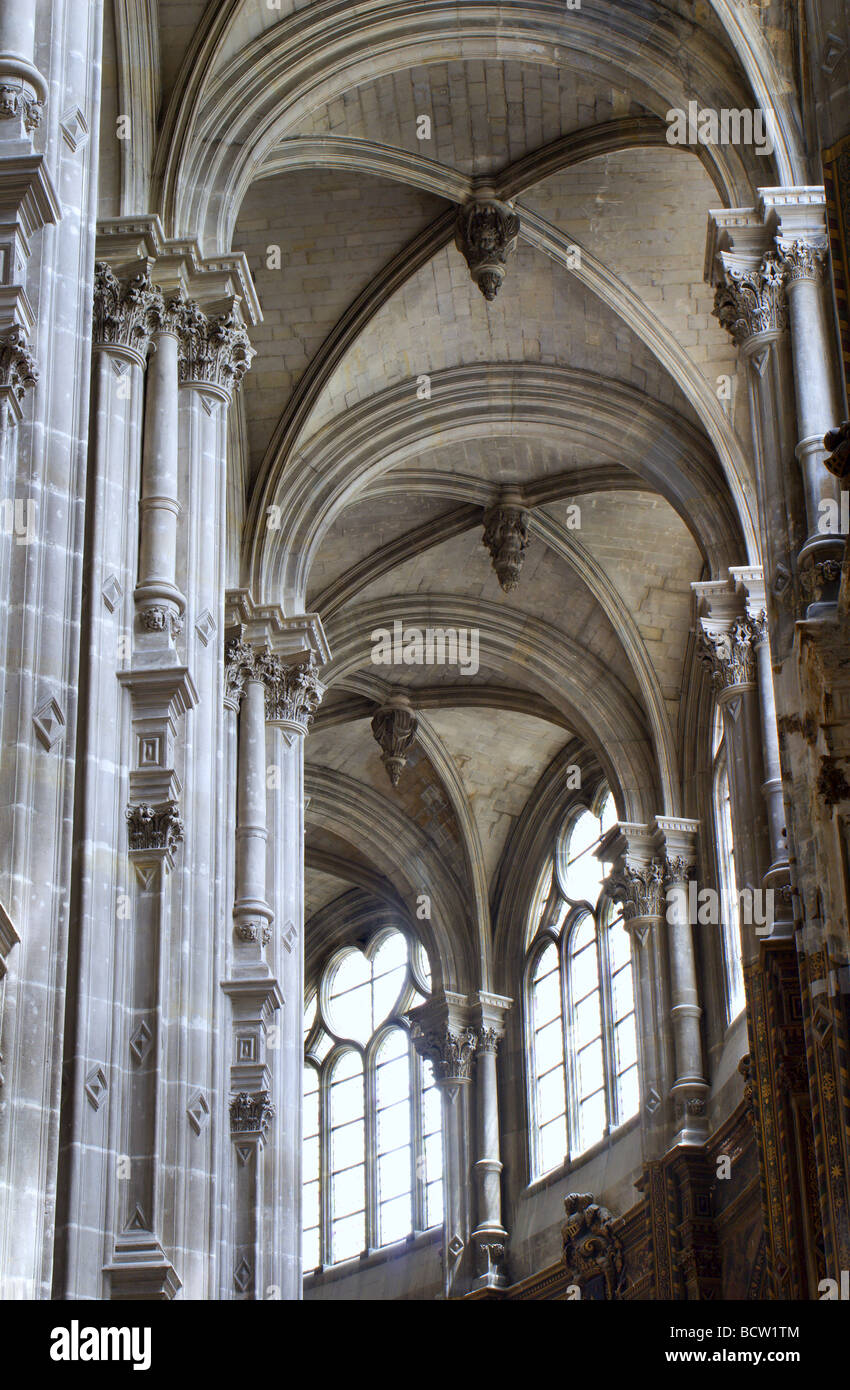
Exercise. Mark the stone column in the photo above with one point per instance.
(293, 694)
(213, 354)
(123, 320)
(777, 877)
(677, 839)
(489, 1236)
(751, 304)
(636, 881)
(784, 241)
(254, 993)
(443, 1034)
(728, 639)
(267, 1054)
(159, 603)
(44, 470)
(161, 690)
(797, 217)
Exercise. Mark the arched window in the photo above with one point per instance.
(726, 875)
(582, 1038)
(373, 1162)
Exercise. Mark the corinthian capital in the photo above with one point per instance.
(125, 311)
(213, 351)
(293, 693)
(394, 727)
(803, 260)
(486, 233)
(730, 654)
(644, 890)
(18, 372)
(752, 301)
(169, 313)
(239, 666)
(450, 1053)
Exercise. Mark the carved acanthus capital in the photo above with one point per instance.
(169, 313)
(450, 1053)
(644, 890)
(486, 232)
(293, 692)
(730, 654)
(592, 1250)
(488, 1040)
(678, 870)
(154, 827)
(394, 728)
(752, 301)
(239, 664)
(125, 311)
(506, 538)
(251, 1114)
(18, 372)
(213, 351)
(803, 260)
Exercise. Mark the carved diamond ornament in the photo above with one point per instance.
(112, 592)
(205, 627)
(198, 1111)
(96, 1087)
(49, 722)
(140, 1042)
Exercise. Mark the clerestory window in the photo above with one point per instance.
(372, 1160)
(580, 1010)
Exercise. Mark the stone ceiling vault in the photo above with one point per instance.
(589, 383)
